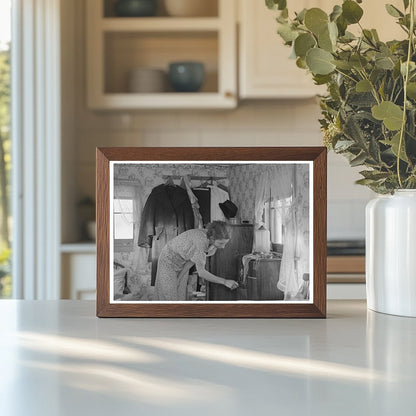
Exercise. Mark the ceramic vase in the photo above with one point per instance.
(391, 253)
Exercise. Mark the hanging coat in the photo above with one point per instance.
(166, 214)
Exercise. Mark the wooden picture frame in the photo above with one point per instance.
(244, 157)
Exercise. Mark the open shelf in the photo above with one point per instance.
(160, 24)
(210, 10)
(116, 46)
(127, 51)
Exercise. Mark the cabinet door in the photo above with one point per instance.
(226, 262)
(266, 71)
(78, 276)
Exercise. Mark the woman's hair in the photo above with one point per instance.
(218, 230)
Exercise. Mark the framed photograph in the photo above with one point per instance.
(211, 232)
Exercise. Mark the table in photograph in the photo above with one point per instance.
(57, 358)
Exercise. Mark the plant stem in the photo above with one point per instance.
(373, 88)
(406, 79)
(346, 75)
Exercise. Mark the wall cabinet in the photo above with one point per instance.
(265, 69)
(78, 264)
(118, 45)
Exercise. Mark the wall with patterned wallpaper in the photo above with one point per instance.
(137, 181)
(244, 180)
(147, 176)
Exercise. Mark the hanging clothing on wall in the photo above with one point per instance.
(166, 214)
(186, 184)
(218, 196)
(209, 199)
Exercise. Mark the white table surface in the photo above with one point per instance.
(57, 358)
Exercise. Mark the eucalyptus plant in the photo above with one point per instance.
(369, 111)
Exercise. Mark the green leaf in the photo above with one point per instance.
(412, 67)
(391, 114)
(301, 15)
(345, 65)
(368, 36)
(303, 43)
(316, 20)
(406, 4)
(393, 11)
(325, 42)
(343, 145)
(374, 150)
(319, 61)
(365, 182)
(351, 11)
(281, 19)
(375, 35)
(333, 32)
(394, 143)
(374, 174)
(396, 70)
(358, 61)
(411, 90)
(342, 25)
(347, 37)
(363, 86)
(276, 4)
(287, 33)
(382, 89)
(321, 79)
(354, 132)
(336, 12)
(358, 160)
(301, 63)
(384, 62)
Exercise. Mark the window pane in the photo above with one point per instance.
(123, 205)
(5, 145)
(123, 226)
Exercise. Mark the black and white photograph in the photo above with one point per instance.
(211, 232)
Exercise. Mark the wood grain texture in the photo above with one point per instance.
(346, 264)
(206, 309)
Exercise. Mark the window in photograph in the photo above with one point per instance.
(123, 224)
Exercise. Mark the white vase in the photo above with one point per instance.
(391, 253)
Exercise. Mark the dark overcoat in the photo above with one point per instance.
(166, 214)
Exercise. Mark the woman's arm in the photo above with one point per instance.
(205, 274)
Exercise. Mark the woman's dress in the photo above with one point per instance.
(177, 257)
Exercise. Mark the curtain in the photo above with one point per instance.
(137, 260)
(295, 260)
(282, 202)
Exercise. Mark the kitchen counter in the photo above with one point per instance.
(57, 358)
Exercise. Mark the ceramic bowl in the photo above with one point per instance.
(186, 76)
(147, 80)
(135, 8)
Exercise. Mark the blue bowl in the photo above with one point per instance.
(186, 76)
(135, 8)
